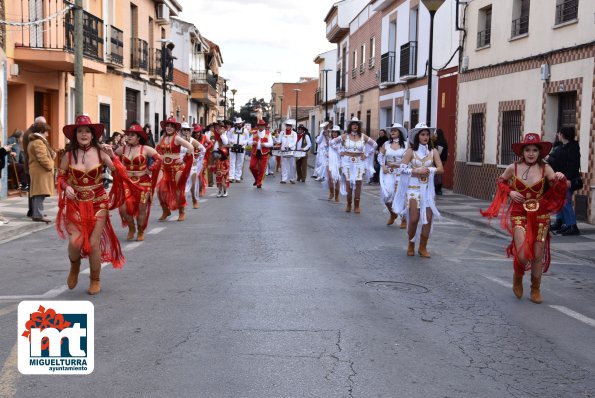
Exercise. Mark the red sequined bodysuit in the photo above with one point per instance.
(171, 194)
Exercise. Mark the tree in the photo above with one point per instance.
(248, 111)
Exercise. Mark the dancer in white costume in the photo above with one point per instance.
(321, 151)
(416, 195)
(357, 158)
(332, 170)
(390, 157)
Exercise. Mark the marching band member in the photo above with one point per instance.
(535, 193)
(238, 137)
(134, 156)
(390, 157)
(302, 147)
(221, 155)
(288, 140)
(199, 134)
(332, 165)
(171, 188)
(262, 142)
(198, 155)
(322, 151)
(355, 149)
(83, 203)
(416, 195)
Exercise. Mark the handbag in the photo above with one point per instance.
(576, 183)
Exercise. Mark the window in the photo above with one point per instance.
(511, 132)
(363, 60)
(520, 18)
(354, 68)
(414, 117)
(368, 122)
(484, 27)
(372, 61)
(566, 10)
(567, 109)
(477, 136)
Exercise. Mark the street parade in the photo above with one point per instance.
(353, 198)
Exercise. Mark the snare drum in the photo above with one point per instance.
(300, 154)
(287, 154)
(277, 152)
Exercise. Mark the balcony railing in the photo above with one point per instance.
(115, 55)
(566, 11)
(387, 67)
(371, 62)
(139, 54)
(92, 34)
(204, 77)
(408, 65)
(483, 38)
(353, 73)
(155, 63)
(520, 26)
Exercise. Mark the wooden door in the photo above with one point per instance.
(131, 106)
(446, 120)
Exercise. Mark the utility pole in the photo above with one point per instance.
(78, 57)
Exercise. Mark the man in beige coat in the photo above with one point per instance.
(41, 168)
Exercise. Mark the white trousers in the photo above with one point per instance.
(288, 168)
(236, 161)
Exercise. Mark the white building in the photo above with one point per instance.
(531, 71)
(326, 93)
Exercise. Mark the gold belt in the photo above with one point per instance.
(81, 188)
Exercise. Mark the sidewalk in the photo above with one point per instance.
(15, 209)
(467, 209)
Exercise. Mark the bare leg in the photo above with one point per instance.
(413, 221)
(358, 193)
(95, 255)
(536, 271)
(129, 221)
(74, 255)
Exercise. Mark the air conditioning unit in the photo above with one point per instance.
(545, 72)
(162, 13)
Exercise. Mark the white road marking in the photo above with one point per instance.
(155, 231)
(573, 314)
(498, 281)
(8, 375)
(132, 246)
(202, 200)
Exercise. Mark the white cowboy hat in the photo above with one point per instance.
(238, 120)
(290, 122)
(323, 125)
(419, 127)
(355, 119)
(336, 128)
(185, 126)
(399, 127)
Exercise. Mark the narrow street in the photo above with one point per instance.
(277, 292)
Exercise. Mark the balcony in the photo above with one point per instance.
(115, 54)
(155, 63)
(408, 64)
(334, 32)
(520, 26)
(340, 87)
(484, 38)
(139, 55)
(387, 67)
(566, 11)
(51, 43)
(203, 87)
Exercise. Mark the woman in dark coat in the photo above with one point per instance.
(442, 147)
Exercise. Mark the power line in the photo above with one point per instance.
(38, 21)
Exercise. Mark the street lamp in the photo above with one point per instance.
(225, 97)
(297, 92)
(163, 66)
(432, 6)
(326, 71)
(233, 99)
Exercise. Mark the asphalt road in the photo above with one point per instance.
(280, 293)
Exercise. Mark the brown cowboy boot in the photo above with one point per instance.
(166, 213)
(423, 241)
(337, 193)
(73, 276)
(356, 209)
(331, 194)
(517, 285)
(535, 292)
(392, 215)
(411, 245)
(403, 223)
(141, 234)
(182, 214)
(131, 231)
(194, 204)
(348, 207)
(95, 285)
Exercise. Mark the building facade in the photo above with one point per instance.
(325, 96)
(532, 71)
(285, 98)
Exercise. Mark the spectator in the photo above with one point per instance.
(566, 158)
(442, 147)
(16, 159)
(41, 168)
(4, 150)
(380, 141)
(149, 132)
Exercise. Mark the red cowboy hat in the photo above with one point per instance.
(197, 129)
(532, 139)
(83, 120)
(171, 120)
(261, 122)
(137, 129)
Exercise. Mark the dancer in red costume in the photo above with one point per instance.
(134, 155)
(262, 142)
(199, 135)
(83, 203)
(171, 188)
(221, 155)
(535, 192)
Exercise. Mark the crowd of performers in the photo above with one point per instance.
(178, 165)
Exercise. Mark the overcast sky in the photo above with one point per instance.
(260, 38)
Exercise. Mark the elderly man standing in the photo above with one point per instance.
(238, 138)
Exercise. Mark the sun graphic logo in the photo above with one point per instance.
(56, 337)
